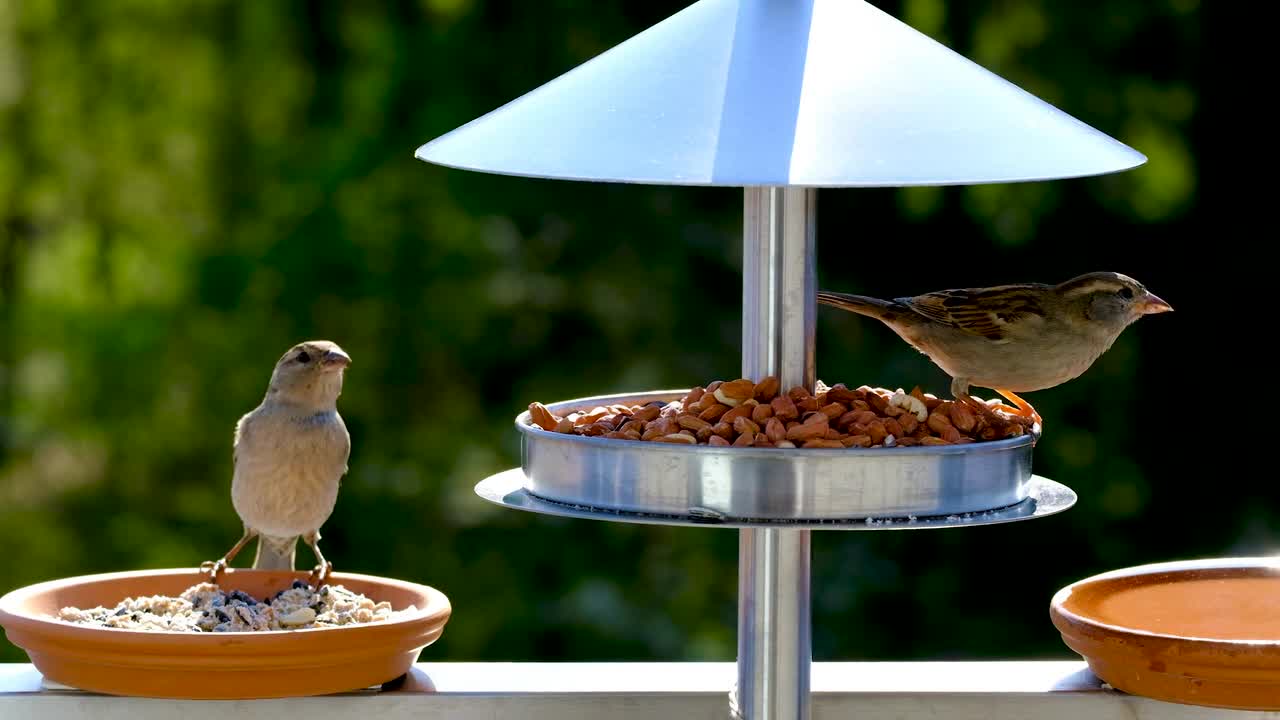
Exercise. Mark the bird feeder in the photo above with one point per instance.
(779, 97)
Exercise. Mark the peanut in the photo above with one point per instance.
(760, 414)
(691, 422)
(775, 430)
(542, 417)
(784, 408)
(767, 389)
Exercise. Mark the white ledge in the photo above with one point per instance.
(649, 691)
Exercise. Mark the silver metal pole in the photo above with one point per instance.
(778, 285)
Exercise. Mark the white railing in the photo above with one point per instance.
(646, 691)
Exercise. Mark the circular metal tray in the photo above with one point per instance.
(1044, 497)
(727, 484)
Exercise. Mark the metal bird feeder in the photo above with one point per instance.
(779, 97)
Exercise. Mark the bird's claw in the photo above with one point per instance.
(320, 574)
(214, 569)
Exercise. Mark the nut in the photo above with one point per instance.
(865, 417)
(734, 393)
(841, 394)
(877, 401)
(623, 435)
(784, 408)
(595, 429)
(679, 439)
(717, 441)
(542, 417)
(823, 444)
(938, 422)
(760, 414)
(744, 426)
(962, 417)
(691, 422)
(894, 428)
(908, 423)
(798, 393)
(693, 396)
(767, 389)
(723, 429)
(744, 441)
(713, 413)
(647, 413)
(911, 404)
(809, 430)
(733, 414)
(878, 432)
(775, 430)
(833, 410)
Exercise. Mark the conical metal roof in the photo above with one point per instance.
(825, 93)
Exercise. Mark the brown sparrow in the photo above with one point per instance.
(1012, 338)
(290, 454)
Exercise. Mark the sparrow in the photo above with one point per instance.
(290, 454)
(1012, 338)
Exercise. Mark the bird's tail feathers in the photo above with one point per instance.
(275, 553)
(860, 304)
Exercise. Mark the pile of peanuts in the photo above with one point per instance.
(742, 413)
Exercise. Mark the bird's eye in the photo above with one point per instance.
(303, 357)
(1126, 293)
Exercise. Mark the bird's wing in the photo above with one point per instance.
(345, 440)
(993, 313)
(243, 430)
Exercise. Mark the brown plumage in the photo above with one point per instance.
(290, 455)
(1012, 338)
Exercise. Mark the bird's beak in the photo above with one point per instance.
(1150, 304)
(335, 359)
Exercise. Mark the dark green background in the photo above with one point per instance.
(188, 188)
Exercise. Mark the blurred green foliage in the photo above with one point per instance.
(188, 188)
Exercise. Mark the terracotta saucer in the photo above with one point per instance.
(1201, 632)
(233, 665)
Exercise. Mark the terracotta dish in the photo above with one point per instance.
(1203, 632)
(232, 665)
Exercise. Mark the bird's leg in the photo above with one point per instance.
(1024, 407)
(960, 389)
(323, 567)
(216, 568)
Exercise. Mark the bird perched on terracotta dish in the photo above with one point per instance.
(290, 454)
(1012, 338)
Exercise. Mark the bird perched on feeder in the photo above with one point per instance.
(1012, 338)
(290, 454)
